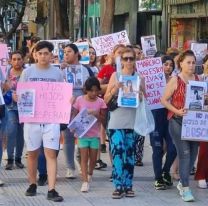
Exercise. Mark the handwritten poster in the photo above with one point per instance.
(3, 57)
(195, 126)
(155, 82)
(82, 123)
(105, 44)
(84, 52)
(52, 101)
(128, 94)
(149, 45)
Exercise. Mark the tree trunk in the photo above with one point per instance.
(71, 19)
(8, 35)
(107, 19)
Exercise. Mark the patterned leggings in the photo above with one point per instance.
(122, 144)
(139, 150)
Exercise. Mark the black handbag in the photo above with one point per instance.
(112, 104)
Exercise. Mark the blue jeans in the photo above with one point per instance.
(157, 138)
(69, 147)
(122, 144)
(15, 140)
(186, 150)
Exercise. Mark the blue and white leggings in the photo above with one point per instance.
(122, 144)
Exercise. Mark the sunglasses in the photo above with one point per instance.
(131, 59)
(93, 53)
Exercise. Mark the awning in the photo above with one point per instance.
(175, 2)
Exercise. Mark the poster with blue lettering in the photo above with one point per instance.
(152, 71)
(194, 126)
(84, 52)
(128, 94)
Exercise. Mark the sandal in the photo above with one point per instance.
(130, 193)
(117, 194)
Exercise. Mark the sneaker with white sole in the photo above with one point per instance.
(180, 188)
(1, 183)
(70, 174)
(85, 187)
(187, 195)
(202, 184)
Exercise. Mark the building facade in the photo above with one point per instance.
(188, 22)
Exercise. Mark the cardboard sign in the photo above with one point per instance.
(3, 58)
(52, 101)
(149, 45)
(105, 44)
(155, 82)
(195, 126)
(84, 52)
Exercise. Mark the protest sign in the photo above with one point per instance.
(52, 101)
(155, 82)
(195, 126)
(59, 47)
(105, 44)
(149, 46)
(200, 50)
(128, 94)
(3, 58)
(195, 95)
(74, 74)
(84, 52)
(82, 123)
(26, 102)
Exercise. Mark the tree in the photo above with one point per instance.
(6, 7)
(107, 19)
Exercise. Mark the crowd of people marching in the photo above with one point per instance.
(101, 86)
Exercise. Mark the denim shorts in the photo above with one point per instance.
(89, 142)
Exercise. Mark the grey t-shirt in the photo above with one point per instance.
(33, 74)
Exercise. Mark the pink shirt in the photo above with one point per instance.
(97, 105)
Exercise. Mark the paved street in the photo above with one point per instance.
(100, 192)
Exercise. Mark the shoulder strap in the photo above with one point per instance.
(89, 70)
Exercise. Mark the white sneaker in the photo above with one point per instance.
(1, 183)
(180, 188)
(85, 187)
(70, 174)
(202, 184)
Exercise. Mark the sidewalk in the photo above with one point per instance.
(16, 183)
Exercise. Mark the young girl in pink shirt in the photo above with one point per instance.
(89, 144)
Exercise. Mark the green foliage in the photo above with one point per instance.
(5, 3)
(150, 4)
